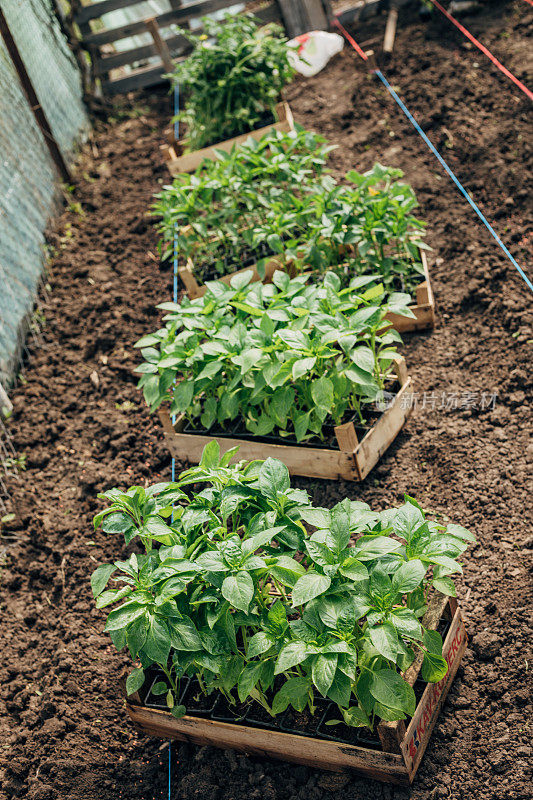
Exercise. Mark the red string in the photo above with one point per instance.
(351, 40)
(484, 49)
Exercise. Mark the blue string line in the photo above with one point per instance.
(463, 191)
(175, 296)
(169, 767)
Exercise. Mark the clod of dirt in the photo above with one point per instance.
(486, 645)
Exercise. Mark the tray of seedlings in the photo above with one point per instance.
(308, 373)
(220, 210)
(271, 205)
(267, 625)
(232, 88)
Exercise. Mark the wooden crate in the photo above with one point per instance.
(402, 747)
(191, 161)
(423, 309)
(352, 461)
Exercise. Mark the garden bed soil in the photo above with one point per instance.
(178, 160)
(63, 736)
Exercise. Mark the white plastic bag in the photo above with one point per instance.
(310, 52)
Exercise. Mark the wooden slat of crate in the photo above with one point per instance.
(419, 730)
(424, 309)
(190, 161)
(310, 462)
(274, 744)
(195, 289)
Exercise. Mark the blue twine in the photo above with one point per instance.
(176, 110)
(169, 767)
(175, 296)
(463, 191)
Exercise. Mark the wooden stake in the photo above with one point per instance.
(33, 100)
(390, 30)
(160, 44)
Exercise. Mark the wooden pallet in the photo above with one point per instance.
(423, 309)
(352, 461)
(191, 161)
(402, 747)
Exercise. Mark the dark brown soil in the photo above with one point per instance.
(63, 730)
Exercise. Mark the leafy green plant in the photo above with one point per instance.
(233, 78)
(265, 598)
(217, 210)
(274, 198)
(288, 357)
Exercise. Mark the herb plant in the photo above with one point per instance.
(288, 357)
(265, 598)
(233, 78)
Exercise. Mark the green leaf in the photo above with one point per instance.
(407, 521)
(248, 679)
(159, 688)
(367, 549)
(356, 717)
(409, 576)
(184, 636)
(258, 644)
(134, 681)
(322, 393)
(178, 711)
(183, 395)
(122, 616)
(340, 690)
(309, 586)
(157, 644)
(286, 570)
(238, 589)
(434, 668)
(136, 635)
(277, 619)
(302, 366)
(445, 585)
(290, 655)
(210, 455)
(363, 357)
(390, 689)
(323, 671)
(354, 569)
(318, 517)
(433, 642)
(385, 640)
(293, 692)
(211, 561)
(100, 577)
(273, 478)
(460, 532)
(117, 522)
